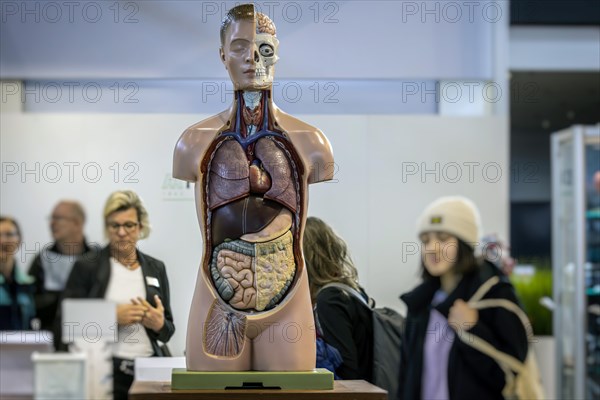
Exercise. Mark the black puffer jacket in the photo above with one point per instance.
(471, 374)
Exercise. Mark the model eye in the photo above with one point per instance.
(266, 50)
(239, 45)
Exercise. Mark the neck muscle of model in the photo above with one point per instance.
(252, 100)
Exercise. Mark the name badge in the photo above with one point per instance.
(151, 281)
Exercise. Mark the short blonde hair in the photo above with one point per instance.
(124, 200)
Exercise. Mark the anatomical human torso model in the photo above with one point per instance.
(251, 164)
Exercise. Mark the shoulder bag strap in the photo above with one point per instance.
(348, 289)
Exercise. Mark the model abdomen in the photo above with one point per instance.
(252, 199)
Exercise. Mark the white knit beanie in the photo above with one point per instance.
(455, 215)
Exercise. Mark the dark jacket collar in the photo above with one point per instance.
(86, 247)
(18, 276)
(419, 299)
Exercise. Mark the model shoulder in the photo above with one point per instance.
(312, 145)
(192, 145)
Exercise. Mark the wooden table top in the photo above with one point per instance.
(346, 390)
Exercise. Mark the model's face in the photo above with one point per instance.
(249, 57)
(439, 252)
(9, 240)
(123, 230)
(63, 222)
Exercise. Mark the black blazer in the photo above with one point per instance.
(90, 276)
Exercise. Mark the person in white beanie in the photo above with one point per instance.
(435, 363)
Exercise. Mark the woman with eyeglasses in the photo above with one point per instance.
(135, 281)
(17, 307)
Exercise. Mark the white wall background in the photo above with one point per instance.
(380, 185)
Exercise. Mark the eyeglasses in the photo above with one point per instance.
(9, 235)
(128, 226)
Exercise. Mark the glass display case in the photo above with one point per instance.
(576, 260)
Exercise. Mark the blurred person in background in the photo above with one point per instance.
(135, 281)
(343, 320)
(52, 266)
(497, 251)
(436, 363)
(17, 308)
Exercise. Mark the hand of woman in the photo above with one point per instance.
(462, 317)
(130, 313)
(154, 317)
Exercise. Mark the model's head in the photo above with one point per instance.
(449, 231)
(249, 48)
(67, 220)
(10, 238)
(326, 256)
